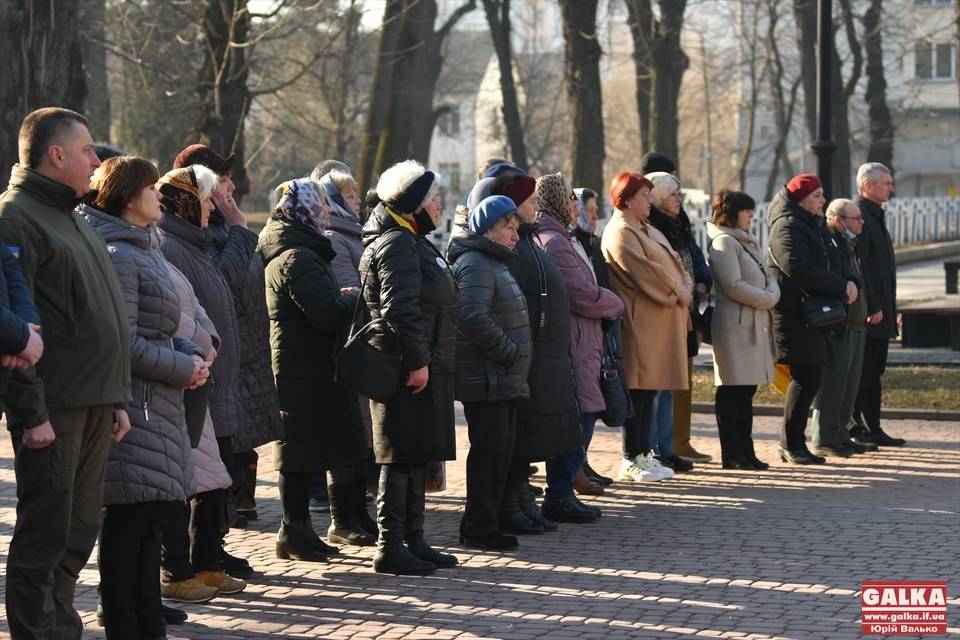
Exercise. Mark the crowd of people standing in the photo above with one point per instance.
(151, 342)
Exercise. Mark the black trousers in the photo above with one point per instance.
(492, 427)
(733, 406)
(867, 407)
(247, 475)
(804, 383)
(191, 537)
(129, 560)
(636, 429)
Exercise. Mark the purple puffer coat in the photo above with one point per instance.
(589, 304)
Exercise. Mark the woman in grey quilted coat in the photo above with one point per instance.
(150, 469)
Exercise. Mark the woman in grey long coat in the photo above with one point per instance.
(742, 340)
(150, 469)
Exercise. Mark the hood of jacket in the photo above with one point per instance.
(114, 229)
(379, 222)
(282, 234)
(471, 241)
(714, 230)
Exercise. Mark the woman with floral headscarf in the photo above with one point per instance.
(309, 318)
(589, 304)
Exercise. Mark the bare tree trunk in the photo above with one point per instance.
(755, 77)
(881, 123)
(225, 98)
(374, 131)
(32, 31)
(805, 12)
(640, 19)
(669, 62)
(782, 110)
(582, 62)
(93, 35)
(415, 61)
(346, 77)
(498, 17)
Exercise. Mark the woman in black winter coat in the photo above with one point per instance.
(548, 425)
(407, 281)
(806, 262)
(309, 319)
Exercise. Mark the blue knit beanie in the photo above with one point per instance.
(491, 209)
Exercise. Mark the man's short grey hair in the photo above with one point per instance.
(837, 208)
(869, 172)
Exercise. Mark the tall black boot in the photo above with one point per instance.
(731, 444)
(360, 472)
(413, 528)
(391, 555)
(345, 527)
(295, 542)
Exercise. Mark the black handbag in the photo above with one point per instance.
(819, 312)
(613, 386)
(195, 403)
(369, 361)
(706, 331)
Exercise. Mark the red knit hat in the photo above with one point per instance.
(520, 189)
(802, 185)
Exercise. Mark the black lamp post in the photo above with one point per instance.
(824, 146)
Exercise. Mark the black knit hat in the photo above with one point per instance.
(652, 162)
(410, 199)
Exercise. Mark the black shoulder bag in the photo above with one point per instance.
(819, 312)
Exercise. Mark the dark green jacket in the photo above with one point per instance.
(86, 357)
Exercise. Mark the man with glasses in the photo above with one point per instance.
(833, 406)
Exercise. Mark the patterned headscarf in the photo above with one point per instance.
(335, 199)
(180, 195)
(554, 195)
(301, 202)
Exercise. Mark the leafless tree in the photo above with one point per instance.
(881, 122)
(498, 18)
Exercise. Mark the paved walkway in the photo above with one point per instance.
(714, 553)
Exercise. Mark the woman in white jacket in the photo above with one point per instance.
(742, 338)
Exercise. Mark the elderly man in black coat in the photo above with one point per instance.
(875, 247)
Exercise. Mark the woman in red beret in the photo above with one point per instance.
(806, 262)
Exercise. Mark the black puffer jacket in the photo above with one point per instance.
(233, 249)
(493, 333)
(809, 260)
(875, 248)
(308, 324)
(549, 421)
(409, 283)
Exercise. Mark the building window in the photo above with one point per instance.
(449, 121)
(935, 61)
(450, 175)
(933, 3)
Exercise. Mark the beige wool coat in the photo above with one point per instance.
(647, 275)
(741, 328)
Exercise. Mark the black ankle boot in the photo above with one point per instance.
(511, 518)
(392, 556)
(413, 528)
(529, 507)
(295, 542)
(345, 527)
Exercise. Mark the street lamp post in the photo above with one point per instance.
(824, 146)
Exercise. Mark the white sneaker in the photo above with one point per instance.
(665, 473)
(631, 470)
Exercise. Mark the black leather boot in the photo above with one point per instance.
(367, 523)
(392, 556)
(511, 518)
(413, 528)
(528, 505)
(345, 527)
(295, 542)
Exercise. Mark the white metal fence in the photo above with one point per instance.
(910, 221)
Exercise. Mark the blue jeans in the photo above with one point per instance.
(661, 431)
(562, 470)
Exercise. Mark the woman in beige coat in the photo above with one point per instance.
(647, 275)
(742, 338)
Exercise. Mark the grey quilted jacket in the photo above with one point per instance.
(153, 461)
(493, 328)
